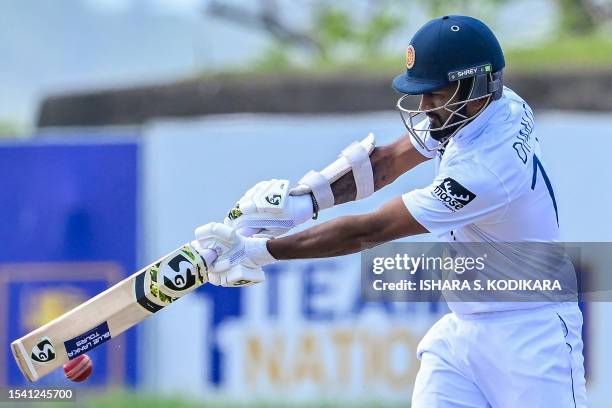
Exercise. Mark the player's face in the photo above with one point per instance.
(446, 110)
(439, 117)
(436, 99)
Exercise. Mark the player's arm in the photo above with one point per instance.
(388, 163)
(274, 208)
(346, 235)
(341, 236)
(466, 193)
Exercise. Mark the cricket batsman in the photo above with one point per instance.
(490, 186)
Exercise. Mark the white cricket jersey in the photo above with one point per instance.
(490, 186)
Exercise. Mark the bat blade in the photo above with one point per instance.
(111, 312)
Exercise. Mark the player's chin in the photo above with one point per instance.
(434, 122)
(438, 135)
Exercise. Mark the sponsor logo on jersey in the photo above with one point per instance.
(43, 351)
(452, 194)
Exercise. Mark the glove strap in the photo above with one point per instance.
(320, 188)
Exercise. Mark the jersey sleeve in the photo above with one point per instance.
(460, 196)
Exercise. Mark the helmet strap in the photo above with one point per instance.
(496, 85)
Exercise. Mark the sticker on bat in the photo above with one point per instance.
(43, 351)
(180, 272)
(148, 299)
(87, 341)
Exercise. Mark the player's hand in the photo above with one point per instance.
(269, 210)
(239, 259)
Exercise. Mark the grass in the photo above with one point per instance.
(132, 400)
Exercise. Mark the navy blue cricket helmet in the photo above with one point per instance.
(444, 49)
(447, 50)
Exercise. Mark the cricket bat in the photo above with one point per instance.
(115, 310)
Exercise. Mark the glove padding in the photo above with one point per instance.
(267, 210)
(239, 259)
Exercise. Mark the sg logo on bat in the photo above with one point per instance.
(43, 351)
(180, 272)
(172, 277)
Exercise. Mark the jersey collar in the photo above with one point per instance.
(475, 127)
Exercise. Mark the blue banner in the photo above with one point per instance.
(68, 225)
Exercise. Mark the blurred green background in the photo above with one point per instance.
(73, 45)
